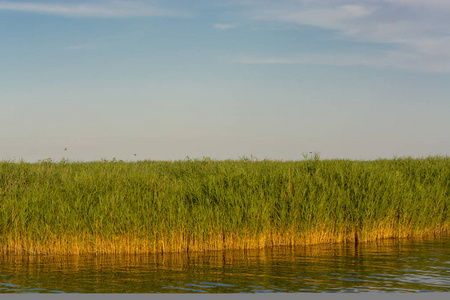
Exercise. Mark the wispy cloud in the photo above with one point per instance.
(388, 59)
(375, 21)
(337, 18)
(439, 4)
(79, 47)
(224, 26)
(93, 9)
(417, 31)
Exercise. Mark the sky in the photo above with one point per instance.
(165, 80)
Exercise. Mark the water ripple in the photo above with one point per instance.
(384, 266)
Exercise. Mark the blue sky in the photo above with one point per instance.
(273, 79)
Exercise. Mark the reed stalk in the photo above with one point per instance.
(195, 205)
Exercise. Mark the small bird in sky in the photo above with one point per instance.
(65, 149)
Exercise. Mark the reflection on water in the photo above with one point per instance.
(414, 265)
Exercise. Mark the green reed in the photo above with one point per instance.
(148, 206)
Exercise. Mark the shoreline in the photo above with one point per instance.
(124, 245)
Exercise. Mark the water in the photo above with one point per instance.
(388, 266)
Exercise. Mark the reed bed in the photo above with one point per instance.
(194, 205)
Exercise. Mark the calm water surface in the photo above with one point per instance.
(391, 266)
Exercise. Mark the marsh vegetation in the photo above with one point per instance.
(153, 206)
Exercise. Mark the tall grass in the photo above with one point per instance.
(153, 206)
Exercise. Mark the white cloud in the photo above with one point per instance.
(417, 31)
(440, 4)
(110, 9)
(330, 17)
(363, 22)
(389, 59)
(431, 46)
(223, 26)
(79, 47)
